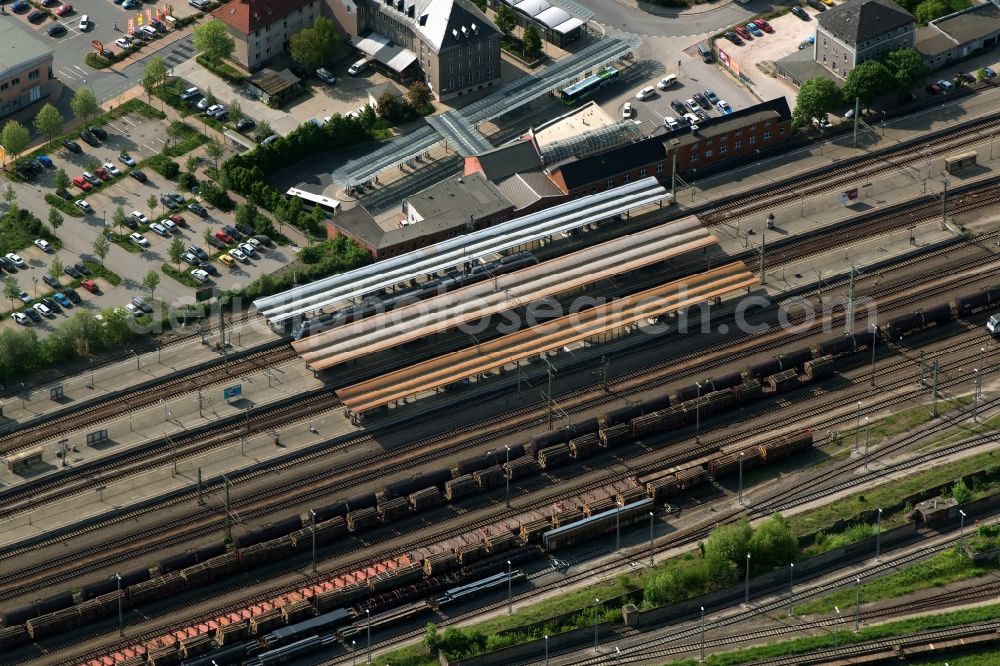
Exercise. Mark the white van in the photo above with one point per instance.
(993, 324)
(85, 23)
(358, 67)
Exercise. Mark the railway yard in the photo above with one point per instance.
(525, 411)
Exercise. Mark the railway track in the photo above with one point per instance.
(105, 410)
(836, 178)
(319, 485)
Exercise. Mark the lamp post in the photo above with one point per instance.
(507, 492)
(874, 331)
(746, 595)
(975, 396)
(618, 527)
(857, 429)
(878, 536)
(121, 626)
(836, 631)
(857, 604)
(791, 581)
(697, 415)
(757, 151)
(546, 650)
(867, 432)
(650, 538)
(510, 608)
(596, 604)
(138, 365)
(702, 654)
(312, 524)
(741, 479)
(368, 616)
(961, 527)
(353, 654)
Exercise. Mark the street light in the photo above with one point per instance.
(874, 331)
(368, 616)
(867, 432)
(596, 603)
(353, 654)
(546, 650)
(746, 595)
(702, 657)
(975, 396)
(961, 527)
(137, 361)
(857, 429)
(836, 631)
(121, 626)
(741, 479)
(857, 604)
(510, 608)
(878, 536)
(650, 538)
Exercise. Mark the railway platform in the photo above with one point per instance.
(104, 382)
(177, 471)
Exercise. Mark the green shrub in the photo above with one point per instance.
(92, 59)
(63, 205)
(163, 165)
(222, 69)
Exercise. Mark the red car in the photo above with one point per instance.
(89, 285)
(743, 32)
(935, 89)
(82, 183)
(64, 9)
(102, 173)
(178, 220)
(763, 25)
(223, 236)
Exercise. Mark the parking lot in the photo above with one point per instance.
(143, 138)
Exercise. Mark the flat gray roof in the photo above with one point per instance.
(458, 198)
(19, 50)
(972, 23)
(930, 41)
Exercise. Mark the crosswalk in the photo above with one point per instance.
(182, 51)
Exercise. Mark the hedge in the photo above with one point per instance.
(222, 69)
(64, 206)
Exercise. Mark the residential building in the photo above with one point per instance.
(452, 207)
(25, 69)
(850, 33)
(744, 133)
(263, 29)
(450, 44)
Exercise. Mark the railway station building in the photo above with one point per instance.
(959, 35)
(858, 30)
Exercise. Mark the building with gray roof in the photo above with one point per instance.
(959, 35)
(25, 69)
(848, 34)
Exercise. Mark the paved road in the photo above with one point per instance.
(668, 21)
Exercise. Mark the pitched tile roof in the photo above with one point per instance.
(249, 16)
(858, 21)
(505, 161)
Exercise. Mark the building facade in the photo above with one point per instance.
(25, 70)
(263, 29)
(450, 44)
(959, 35)
(850, 33)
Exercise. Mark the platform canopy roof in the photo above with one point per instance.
(537, 340)
(569, 272)
(343, 288)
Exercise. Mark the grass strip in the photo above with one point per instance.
(63, 206)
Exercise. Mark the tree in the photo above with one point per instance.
(247, 213)
(11, 289)
(192, 163)
(55, 267)
(93, 164)
(961, 492)
(532, 42)
(101, 247)
(214, 150)
(118, 218)
(176, 252)
(264, 129)
(207, 235)
(62, 180)
(212, 39)
(49, 121)
(14, 138)
(10, 196)
(818, 96)
(505, 19)
(315, 46)
(154, 75)
(907, 68)
(389, 107)
(773, 544)
(867, 80)
(481, 4)
(55, 219)
(418, 95)
(152, 202)
(235, 110)
(981, 74)
(150, 281)
(84, 103)
(726, 550)
(209, 97)
(928, 10)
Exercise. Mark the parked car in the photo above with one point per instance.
(45, 162)
(36, 16)
(248, 249)
(132, 310)
(265, 240)
(678, 106)
(198, 209)
(223, 236)
(51, 281)
(72, 272)
(627, 110)
(65, 9)
(646, 93)
(199, 275)
(168, 202)
(63, 193)
(190, 258)
(85, 24)
(245, 124)
(102, 173)
(89, 285)
(42, 309)
(20, 6)
(43, 245)
(123, 43)
(945, 85)
(89, 138)
(817, 5)
(141, 303)
(126, 159)
(763, 25)
(232, 231)
(84, 206)
(190, 93)
(227, 260)
(237, 254)
(754, 29)
(112, 169)
(33, 314)
(25, 298)
(935, 89)
(723, 107)
(198, 252)
(215, 111)
(72, 294)
(199, 4)
(667, 81)
(702, 100)
(209, 268)
(159, 229)
(138, 239)
(670, 122)
(693, 105)
(62, 300)
(712, 98)
(138, 175)
(168, 225)
(72, 146)
(358, 67)
(744, 33)
(56, 30)
(91, 178)
(25, 171)
(178, 220)
(51, 304)
(20, 318)
(801, 13)
(82, 267)
(16, 260)
(326, 76)
(140, 217)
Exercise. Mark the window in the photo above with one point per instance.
(739, 132)
(753, 128)
(723, 150)
(694, 157)
(739, 144)
(767, 135)
(781, 130)
(659, 167)
(611, 182)
(451, 82)
(845, 57)
(642, 173)
(625, 178)
(593, 189)
(723, 137)
(708, 154)
(753, 140)
(3, 86)
(16, 80)
(33, 75)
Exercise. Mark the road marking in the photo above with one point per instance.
(67, 74)
(127, 121)
(116, 128)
